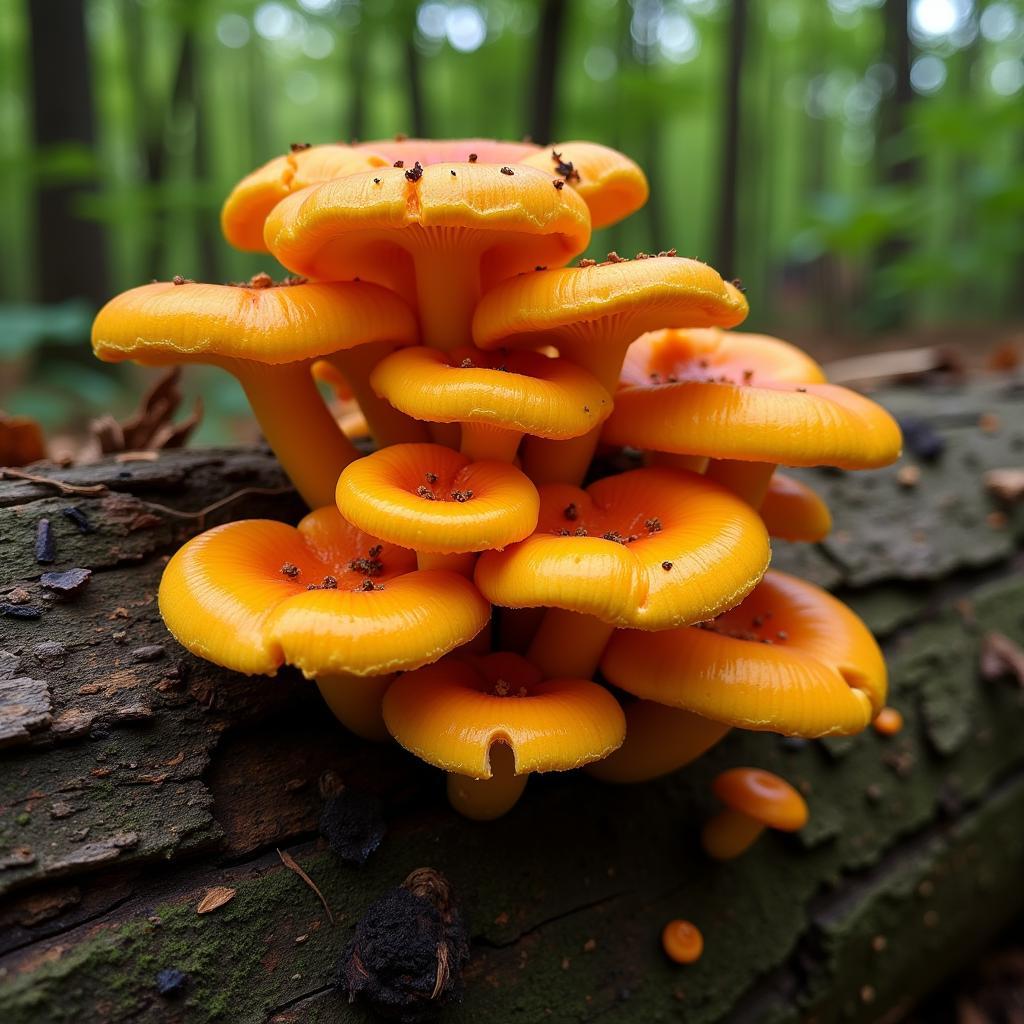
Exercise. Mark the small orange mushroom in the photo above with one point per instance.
(793, 511)
(590, 315)
(343, 607)
(747, 402)
(658, 740)
(496, 396)
(431, 235)
(650, 548)
(682, 941)
(437, 502)
(790, 658)
(754, 800)
(268, 337)
(888, 722)
(491, 720)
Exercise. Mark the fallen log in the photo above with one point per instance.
(150, 803)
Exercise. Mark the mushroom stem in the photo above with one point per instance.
(658, 740)
(569, 645)
(482, 441)
(487, 799)
(447, 291)
(356, 702)
(460, 562)
(298, 426)
(387, 425)
(550, 462)
(694, 463)
(747, 480)
(729, 833)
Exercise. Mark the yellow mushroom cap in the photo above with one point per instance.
(237, 596)
(744, 397)
(251, 200)
(451, 713)
(592, 313)
(611, 184)
(165, 322)
(432, 499)
(661, 547)
(366, 224)
(790, 659)
(762, 796)
(522, 391)
(792, 511)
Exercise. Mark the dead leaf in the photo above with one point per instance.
(152, 428)
(215, 898)
(21, 441)
(1001, 656)
(289, 862)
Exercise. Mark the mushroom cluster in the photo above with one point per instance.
(474, 587)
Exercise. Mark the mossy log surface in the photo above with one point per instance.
(134, 778)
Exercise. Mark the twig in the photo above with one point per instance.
(289, 862)
(202, 513)
(61, 485)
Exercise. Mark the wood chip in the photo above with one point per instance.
(1001, 656)
(908, 476)
(215, 898)
(289, 862)
(1005, 484)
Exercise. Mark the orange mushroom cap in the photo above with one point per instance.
(430, 498)
(364, 224)
(592, 313)
(650, 548)
(792, 511)
(245, 210)
(888, 722)
(762, 796)
(790, 659)
(747, 398)
(611, 184)
(451, 713)
(522, 391)
(238, 596)
(167, 322)
(682, 942)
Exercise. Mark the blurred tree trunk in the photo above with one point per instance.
(897, 167)
(418, 127)
(725, 240)
(70, 249)
(544, 98)
(355, 79)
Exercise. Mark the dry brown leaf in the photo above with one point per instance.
(289, 862)
(152, 427)
(21, 441)
(214, 898)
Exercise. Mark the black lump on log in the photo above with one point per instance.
(406, 958)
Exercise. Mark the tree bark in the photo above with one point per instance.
(135, 778)
(70, 249)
